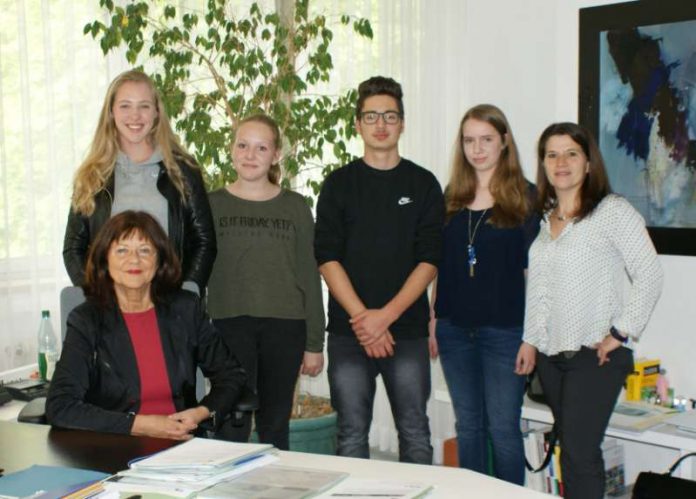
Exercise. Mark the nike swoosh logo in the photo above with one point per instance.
(405, 200)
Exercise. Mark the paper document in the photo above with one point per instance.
(201, 454)
(202, 479)
(275, 482)
(356, 488)
(182, 483)
(685, 421)
(638, 416)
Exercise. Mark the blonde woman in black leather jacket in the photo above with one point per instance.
(135, 162)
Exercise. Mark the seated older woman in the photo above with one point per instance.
(130, 354)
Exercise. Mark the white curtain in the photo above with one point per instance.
(420, 44)
(52, 81)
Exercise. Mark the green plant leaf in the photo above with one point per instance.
(213, 75)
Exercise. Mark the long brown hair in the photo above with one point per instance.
(95, 171)
(274, 173)
(508, 185)
(99, 286)
(596, 184)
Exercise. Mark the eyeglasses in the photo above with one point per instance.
(143, 252)
(389, 117)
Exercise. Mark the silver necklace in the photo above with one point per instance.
(471, 250)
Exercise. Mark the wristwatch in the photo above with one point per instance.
(617, 336)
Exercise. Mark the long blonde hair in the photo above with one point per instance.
(508, 185)
(95, 171)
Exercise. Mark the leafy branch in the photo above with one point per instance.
(214, 67)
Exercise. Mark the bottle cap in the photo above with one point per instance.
(45, 314)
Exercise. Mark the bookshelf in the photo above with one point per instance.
(654, 449)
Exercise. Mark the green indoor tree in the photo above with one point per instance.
(214, 67)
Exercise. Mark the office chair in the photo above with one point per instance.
(72, 296)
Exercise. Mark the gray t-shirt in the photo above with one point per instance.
(265, 264)
(135, 188)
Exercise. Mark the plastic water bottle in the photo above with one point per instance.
(48, 347)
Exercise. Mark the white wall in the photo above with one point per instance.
(522, 55)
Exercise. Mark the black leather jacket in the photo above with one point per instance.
(96, 385)
(191, 229)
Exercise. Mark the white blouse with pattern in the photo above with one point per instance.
(599, 272)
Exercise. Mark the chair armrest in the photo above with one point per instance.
(248, 400)
(34, 412)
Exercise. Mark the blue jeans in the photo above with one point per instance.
(479, 365)
(406, 377)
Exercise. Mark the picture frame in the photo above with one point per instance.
(637, 95)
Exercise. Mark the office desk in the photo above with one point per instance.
(22, 445)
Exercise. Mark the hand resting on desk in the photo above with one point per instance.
(177, 426)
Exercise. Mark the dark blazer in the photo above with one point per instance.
(191, 229)
(96, 385)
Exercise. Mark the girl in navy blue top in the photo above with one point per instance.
(479, 299)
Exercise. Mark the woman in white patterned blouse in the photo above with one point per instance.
(594, 279)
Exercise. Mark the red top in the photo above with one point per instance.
(155, 390)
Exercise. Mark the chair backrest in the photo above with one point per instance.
(70, 297)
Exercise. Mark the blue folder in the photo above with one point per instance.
(45, 480)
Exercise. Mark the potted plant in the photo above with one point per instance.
(214, 67)
(312, 424)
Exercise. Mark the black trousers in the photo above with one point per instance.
(582, 396)
(271, 351)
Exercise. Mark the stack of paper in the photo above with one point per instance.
(638, 416)
(191, 467)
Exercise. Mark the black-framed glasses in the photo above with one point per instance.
(389, 117)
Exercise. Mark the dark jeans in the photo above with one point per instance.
(479, 365)
(582, 396)
(406, 377)
(271, 351)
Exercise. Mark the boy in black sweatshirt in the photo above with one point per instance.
(378, 244)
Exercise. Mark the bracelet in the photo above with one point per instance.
(617, 336)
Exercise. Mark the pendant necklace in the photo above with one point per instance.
(556, 213)
(471, 250)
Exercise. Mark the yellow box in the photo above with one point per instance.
(645, 372)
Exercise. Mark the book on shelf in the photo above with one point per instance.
(550, 480)
(614, 467)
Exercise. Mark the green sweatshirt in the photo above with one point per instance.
(265, 264)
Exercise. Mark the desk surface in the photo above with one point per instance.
(22, 445)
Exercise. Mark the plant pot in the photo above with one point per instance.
(316, 435)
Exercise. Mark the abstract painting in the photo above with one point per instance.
(638, 95)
